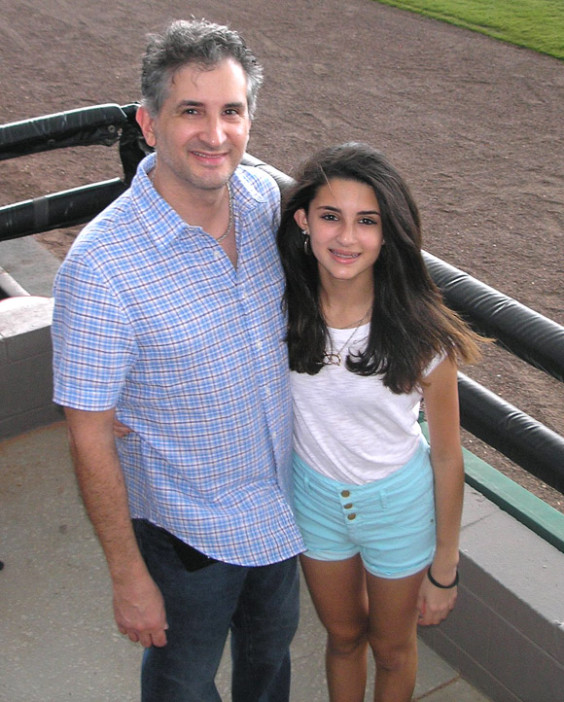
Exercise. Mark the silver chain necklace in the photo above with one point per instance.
(334, 358)
(230, 223)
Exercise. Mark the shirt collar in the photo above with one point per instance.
(160, 220)
(163, 223)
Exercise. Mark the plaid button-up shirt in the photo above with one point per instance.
(152, 318)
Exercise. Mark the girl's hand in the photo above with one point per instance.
(435, 603)
(120, 429)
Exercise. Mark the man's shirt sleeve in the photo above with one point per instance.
(93, 343)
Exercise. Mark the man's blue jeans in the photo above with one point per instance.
(260, 607)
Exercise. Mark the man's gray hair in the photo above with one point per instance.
(194, 42)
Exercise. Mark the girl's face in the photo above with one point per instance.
(345, 229)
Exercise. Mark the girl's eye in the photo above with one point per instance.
(368, 220)
(329, 217)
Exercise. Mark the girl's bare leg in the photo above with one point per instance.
(393, 635)
(338, 591)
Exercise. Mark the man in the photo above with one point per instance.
(167, 317)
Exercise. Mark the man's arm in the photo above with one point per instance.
(138, 604)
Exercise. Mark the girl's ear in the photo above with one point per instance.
(300, 218)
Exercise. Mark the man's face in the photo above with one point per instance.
(202, 129)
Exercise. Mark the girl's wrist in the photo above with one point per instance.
(443, 585)
(445, 566)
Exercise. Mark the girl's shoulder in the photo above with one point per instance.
(435, 361)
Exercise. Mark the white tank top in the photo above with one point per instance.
(350, 427)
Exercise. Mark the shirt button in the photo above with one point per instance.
(348, 505)
(345, 493)
(351, 516)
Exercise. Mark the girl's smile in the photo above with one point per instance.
(345, 229)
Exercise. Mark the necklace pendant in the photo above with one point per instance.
(332, 359)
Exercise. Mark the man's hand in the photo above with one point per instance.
(138, 604)
(140, 613)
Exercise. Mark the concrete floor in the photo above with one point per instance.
(59, 641)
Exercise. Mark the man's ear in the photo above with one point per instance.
(147, 123)
(300, 218)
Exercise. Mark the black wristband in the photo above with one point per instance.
(443, 587)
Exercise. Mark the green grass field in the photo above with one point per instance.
(534, 24)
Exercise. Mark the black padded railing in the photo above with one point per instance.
(99, 125)
(525, 333)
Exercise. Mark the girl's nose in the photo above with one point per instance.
(346, 233)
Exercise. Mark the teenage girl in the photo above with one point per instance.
(369, 338)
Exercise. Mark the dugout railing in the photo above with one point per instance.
(530, 336)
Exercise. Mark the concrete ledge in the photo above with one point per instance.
(527, 508)
(26, 381)
(29, 263)
(9, 287)
(506, 634)
(26, 309)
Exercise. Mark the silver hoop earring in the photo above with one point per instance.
(307, 247)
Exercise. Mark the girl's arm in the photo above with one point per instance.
(442, 412)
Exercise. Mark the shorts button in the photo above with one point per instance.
(351, 516)
(345, 493)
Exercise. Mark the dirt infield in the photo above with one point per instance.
(475, 125)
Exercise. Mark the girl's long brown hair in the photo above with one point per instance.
(410, 323)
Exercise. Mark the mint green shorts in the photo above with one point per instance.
(389, 522)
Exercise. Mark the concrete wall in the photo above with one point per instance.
(506, 634)
(26, 383)
(25, 342)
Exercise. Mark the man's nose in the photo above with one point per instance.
(213, 131)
